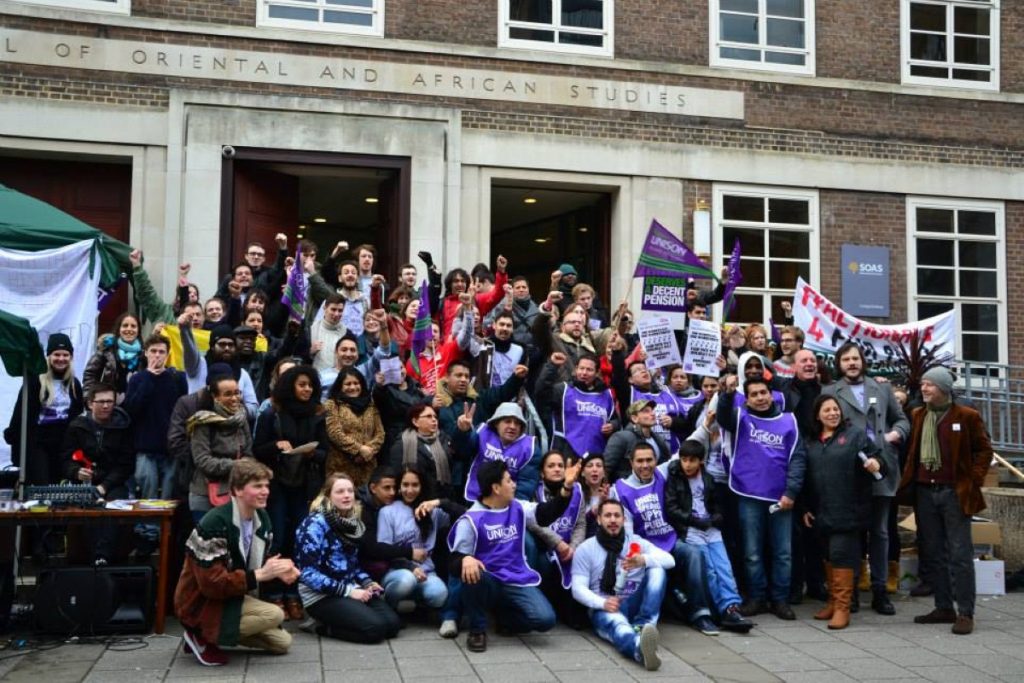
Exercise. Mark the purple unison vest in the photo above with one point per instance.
(500, 543)
(563, 526)
(515, 455)
(761, 450)
(581, 418)
(666, 405)
(680, 406)
(646, 504)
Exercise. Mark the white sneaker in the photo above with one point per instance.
(649, 647)
(449, 629)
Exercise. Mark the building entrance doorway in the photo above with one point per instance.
(325, 198)
(539, 227)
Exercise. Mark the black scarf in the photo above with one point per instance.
(357, 404)
(349, 529)
(523, 303)
(500, 346)
(612, 544)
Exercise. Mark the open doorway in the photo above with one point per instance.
(539, 227)
(322, 197)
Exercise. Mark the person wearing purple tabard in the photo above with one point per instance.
(504, 438)
(766, 471)
(488, 554)
(642, 494)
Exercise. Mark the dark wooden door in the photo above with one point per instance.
(265, 203)
(95, 193)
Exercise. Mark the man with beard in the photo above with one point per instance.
(496, 355)
(502, 438)
(356, 303)
(582, 412)
(223, 349)
(524, 311)
(872, 407)
(641, 429)
(621, 579)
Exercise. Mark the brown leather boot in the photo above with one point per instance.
(892, 581)
(826, 612)
(842, 592)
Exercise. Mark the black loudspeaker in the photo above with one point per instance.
(94, 600)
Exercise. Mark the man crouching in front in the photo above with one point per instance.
(225, 561)
(621, 579)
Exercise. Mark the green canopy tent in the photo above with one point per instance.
(22, 356)
(28, 224)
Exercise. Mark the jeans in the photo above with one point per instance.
(520, 608)
(689, 572)
(946, 547)
(878, 541)
(452, 610)
(639, 609)
(731, 535)
(355, 621)
(287, 507)
(721, 582)
(401, 584)
(757, 523)
(154, 477)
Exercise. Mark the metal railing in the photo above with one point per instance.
(997, 392)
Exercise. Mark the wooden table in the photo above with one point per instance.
(89, 516)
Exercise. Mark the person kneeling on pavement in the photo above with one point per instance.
(225, 561)
(621, 579)
(488, 554)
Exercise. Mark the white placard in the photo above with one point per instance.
(703, 346)
(391, 368)
(659, 341)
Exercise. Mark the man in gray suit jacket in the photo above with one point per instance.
(871, 406)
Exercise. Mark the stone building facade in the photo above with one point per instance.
(190, 127)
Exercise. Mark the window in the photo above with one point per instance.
(770, 35)
(365, 17)
(778, 233)
(951, 43)
(954, 260)
(115, 6)
(579, 26)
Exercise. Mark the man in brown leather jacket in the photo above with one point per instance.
(949, 455)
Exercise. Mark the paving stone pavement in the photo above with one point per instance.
(873, 648)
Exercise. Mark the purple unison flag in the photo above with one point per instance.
(733, 280)
(776, 337)
(294, 297)
(421, 329)
(665, 254)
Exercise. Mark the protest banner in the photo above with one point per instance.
(46, 288)
(659, 341)
(827, 327)
(703, 346)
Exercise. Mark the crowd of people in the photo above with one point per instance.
(525, 462)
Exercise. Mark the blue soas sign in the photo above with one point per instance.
(866, 280)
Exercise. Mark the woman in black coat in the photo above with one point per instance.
(841, 465)
(295, 419)
(428, 448)
(55, 398)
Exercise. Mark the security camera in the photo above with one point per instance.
(227, 151)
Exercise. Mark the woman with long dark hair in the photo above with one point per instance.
(354, 430)
(841, 464)
(404, 522)
(346, 603)
(291, 439)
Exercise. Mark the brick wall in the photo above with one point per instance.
(233, 12)
(1015, 281)
(869, 219)
(468, 22)
(858, 40)
(674, 31)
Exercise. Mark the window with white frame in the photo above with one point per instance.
(115, 6)
(579, 26)
(365, 17)
(770, 35)
(955, 258)
(951, 43)
(778, 233)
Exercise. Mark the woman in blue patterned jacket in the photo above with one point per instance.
(346, 603)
